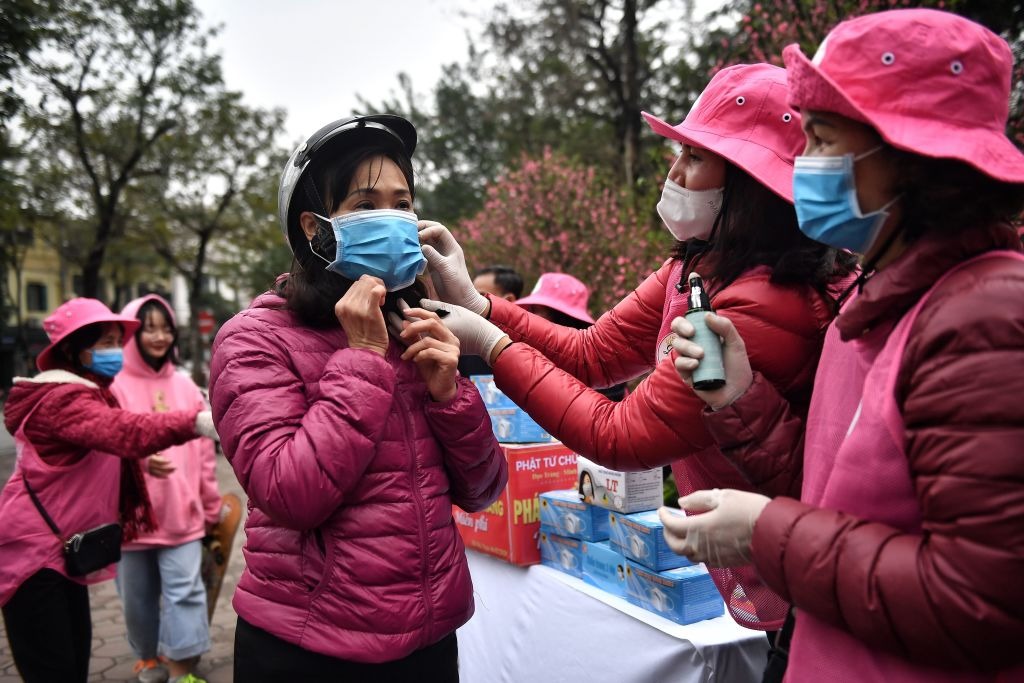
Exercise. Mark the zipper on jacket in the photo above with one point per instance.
(418, 499)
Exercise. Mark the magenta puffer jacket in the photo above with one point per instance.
(351, 472)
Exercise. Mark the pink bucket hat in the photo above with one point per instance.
(929, 82)
(562, 292)
(74, 315)
(743, 116)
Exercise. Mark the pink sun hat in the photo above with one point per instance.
(562, 292)
(72, 316)
(744, 116)
(930, 82)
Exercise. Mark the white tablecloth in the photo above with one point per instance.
(538, 625)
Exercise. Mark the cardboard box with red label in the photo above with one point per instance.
(509, 528)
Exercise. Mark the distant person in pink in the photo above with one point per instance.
(77, 469)
(158, 577)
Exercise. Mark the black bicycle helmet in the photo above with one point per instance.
(333, 139)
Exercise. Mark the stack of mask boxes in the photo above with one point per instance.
(655, 577)
(573, 539)
(510, 528)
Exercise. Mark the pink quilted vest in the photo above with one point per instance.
(855, 462)
(750, 602)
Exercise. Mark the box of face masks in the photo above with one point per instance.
(640, 538)
(493, 396)
(621, 491)
(564, 513)
(604, 567)
(561, 553)
(510, 423)
(684, 595)
(509, 528)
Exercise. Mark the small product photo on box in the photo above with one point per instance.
(683, 595)
(621, 491)
(561, 553)
(640, 537)
(564, 512)
(604, 567)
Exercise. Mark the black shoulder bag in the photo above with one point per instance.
(87, 551)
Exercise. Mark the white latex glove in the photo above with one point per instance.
(738, 376)
(204, 425)
(722, 534)
(477, 337)
(448, 269)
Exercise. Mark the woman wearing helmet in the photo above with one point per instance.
(351, 448)
(904, 555)
(728, 202)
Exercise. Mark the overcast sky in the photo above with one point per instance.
(313, 56)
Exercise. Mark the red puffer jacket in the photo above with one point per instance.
(351, 472)
(76, 415)
(660, 422)
(952, 596)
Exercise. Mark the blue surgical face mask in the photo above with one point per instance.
(383, 243)
(825, 195)
(106, 362)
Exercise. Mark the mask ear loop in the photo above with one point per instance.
(869, 268)
(314, 197)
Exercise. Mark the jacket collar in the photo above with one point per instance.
(892, 291)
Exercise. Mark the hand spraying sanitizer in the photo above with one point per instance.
(710, 373)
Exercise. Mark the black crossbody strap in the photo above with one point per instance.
(28, 487)
(42, 510)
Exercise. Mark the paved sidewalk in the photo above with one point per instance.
(112, 659)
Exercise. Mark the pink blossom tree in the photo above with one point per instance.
(548, 214)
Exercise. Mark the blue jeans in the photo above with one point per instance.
(179, 629)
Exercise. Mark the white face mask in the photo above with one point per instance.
(689, 214)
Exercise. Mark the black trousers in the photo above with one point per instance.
(264, 658)
(49, 628)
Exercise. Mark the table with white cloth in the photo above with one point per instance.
(535, 625)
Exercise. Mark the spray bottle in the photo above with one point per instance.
(710, 372)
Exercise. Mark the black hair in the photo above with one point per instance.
(757, 227)
(66, 353)
(505, 277)
(946, 196)
(311, 290)
(154, 306)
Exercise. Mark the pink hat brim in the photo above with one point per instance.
(558, 305)
(767, 167)
(988, 151)
(44, 360)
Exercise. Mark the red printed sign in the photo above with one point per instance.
(509, 528)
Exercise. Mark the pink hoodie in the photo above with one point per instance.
(188, 499)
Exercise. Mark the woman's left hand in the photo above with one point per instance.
(434, 350)
(721, 535)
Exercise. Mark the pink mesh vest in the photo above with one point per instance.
(854, 461)
(750, 602)
(77, 497)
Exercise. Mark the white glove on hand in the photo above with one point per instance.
(204, 425)
(721, 536)
(448, 269)
(477, 337)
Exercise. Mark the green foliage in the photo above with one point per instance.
(571, 75)
(116, 77)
